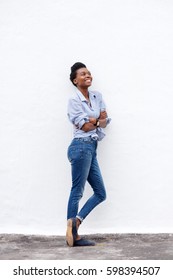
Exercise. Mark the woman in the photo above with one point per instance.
(86, 111)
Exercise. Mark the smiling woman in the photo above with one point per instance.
(87, 113)
(83, 78)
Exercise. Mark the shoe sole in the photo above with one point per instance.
(69, 234)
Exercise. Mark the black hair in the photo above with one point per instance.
(74, 68)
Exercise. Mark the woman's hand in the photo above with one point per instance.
(92, 120)
(103, 115)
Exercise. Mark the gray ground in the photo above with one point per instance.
(108, 247)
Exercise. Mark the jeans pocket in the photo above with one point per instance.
(79, 152)
(74, 153)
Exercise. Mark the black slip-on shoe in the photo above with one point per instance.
(84, 242)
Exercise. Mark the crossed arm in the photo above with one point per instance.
(92, 121)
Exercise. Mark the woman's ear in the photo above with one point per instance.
(75, 81)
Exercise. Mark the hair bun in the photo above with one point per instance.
(77, 66)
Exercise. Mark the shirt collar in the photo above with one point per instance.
(82, 97)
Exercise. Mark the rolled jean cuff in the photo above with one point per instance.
(80, 219)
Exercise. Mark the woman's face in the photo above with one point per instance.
(83, 78)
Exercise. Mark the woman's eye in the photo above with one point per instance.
(85, 73)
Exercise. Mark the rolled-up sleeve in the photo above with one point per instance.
(76, 114)
(102, 108)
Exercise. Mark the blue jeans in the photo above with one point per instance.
(84, 167)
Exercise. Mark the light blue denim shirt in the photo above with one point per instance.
(79, 112)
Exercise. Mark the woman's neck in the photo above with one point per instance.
(84, 91)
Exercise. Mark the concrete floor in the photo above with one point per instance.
(108, 247)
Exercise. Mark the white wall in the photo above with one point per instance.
(128, 46)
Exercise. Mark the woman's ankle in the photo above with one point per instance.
(78, 222)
